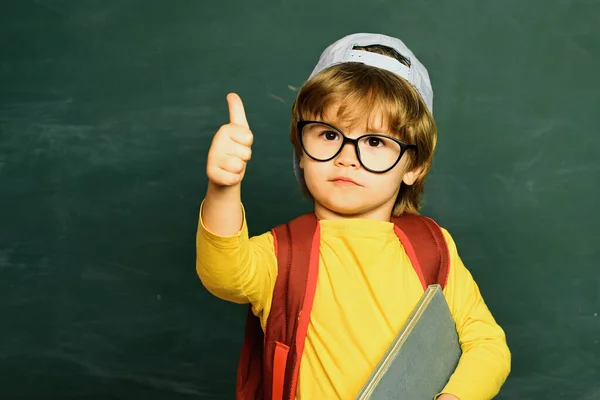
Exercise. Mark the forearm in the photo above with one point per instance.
(229, 264)
(481, 372)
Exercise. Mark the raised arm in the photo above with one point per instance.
(231, 265)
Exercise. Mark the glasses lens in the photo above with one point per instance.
(321, 141)
(377, 152)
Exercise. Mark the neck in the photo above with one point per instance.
(382, 213)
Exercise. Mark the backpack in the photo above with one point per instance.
(270, 361)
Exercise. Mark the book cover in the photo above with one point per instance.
(422, 357)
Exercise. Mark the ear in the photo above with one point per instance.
(301, 161)
(411, 176)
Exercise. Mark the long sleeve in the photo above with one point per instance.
(237, 268)
(485, 362)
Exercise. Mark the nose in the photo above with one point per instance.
(347, 157)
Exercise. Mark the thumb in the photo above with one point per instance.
(237, 115)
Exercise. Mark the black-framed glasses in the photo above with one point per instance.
(375, 152)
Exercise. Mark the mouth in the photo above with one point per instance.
(344, 181)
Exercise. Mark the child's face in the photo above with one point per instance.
(343, 188)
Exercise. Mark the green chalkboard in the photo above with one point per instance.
(107, 109)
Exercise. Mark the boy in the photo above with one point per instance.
(363, 136)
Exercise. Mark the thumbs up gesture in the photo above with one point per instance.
(230, 148)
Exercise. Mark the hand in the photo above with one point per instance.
(447, 396)
(230, 148)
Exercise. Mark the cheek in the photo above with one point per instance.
(315, 177)
(388, 182)
(314, 171)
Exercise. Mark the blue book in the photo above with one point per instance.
(423, 356)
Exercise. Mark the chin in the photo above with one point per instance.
(346, 208)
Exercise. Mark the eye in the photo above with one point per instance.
(373, 141)
(329, 135)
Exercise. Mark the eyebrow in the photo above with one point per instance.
(369, 130)
(373, 131)
(379, 131)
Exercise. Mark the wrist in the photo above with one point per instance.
(222, 210)
(223, 193)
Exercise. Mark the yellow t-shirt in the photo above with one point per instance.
(366, 290)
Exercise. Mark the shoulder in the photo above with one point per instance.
(445, 233)
(454, 259)
(449, 239)
(418, 224)
(265, 237)
(451, 245)
(458, 270)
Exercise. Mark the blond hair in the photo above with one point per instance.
(360, 90)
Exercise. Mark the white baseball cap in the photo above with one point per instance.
(342, 51)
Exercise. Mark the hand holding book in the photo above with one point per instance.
(447, 396)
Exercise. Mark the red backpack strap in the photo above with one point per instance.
(249, 383)
(426, 247)
(269, 362)
(292, 302)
